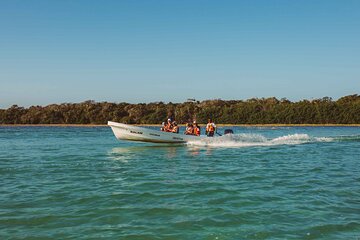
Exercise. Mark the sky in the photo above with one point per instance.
(148, 51)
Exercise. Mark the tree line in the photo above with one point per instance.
(345, 110)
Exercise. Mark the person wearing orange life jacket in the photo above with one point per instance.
(189, 129)
(210, 128)
(168, 126)
(196, 130)
(175, 128)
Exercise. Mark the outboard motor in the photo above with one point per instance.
(228, 131)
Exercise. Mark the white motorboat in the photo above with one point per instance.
(133, 133)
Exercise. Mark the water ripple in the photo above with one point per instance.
(284, 183)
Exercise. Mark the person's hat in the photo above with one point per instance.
(169, 119)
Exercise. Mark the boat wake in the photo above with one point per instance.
(249, 140)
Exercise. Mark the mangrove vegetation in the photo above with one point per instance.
(345, 110)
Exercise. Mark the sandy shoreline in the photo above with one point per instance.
(219, 125)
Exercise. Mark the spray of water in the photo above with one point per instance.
(249, 140)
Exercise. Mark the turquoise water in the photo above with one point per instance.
(261, 183)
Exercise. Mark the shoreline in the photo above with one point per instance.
(155, 125)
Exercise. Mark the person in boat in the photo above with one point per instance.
(189, 129)
(168, 126)
(175, 128)
(210, 128)
(196, 129)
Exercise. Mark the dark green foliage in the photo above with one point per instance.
(346, 110)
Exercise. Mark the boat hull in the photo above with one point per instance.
(141, 134)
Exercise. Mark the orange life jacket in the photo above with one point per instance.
(211, 128)
(175, 129)
(197, 131)
(189, 130)
(168, 127)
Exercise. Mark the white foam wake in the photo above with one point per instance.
(249, 140)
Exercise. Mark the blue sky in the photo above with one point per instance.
(144, 51)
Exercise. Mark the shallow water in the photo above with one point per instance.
(260, 183)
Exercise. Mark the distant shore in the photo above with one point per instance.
(155, 125)
(254, 110)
